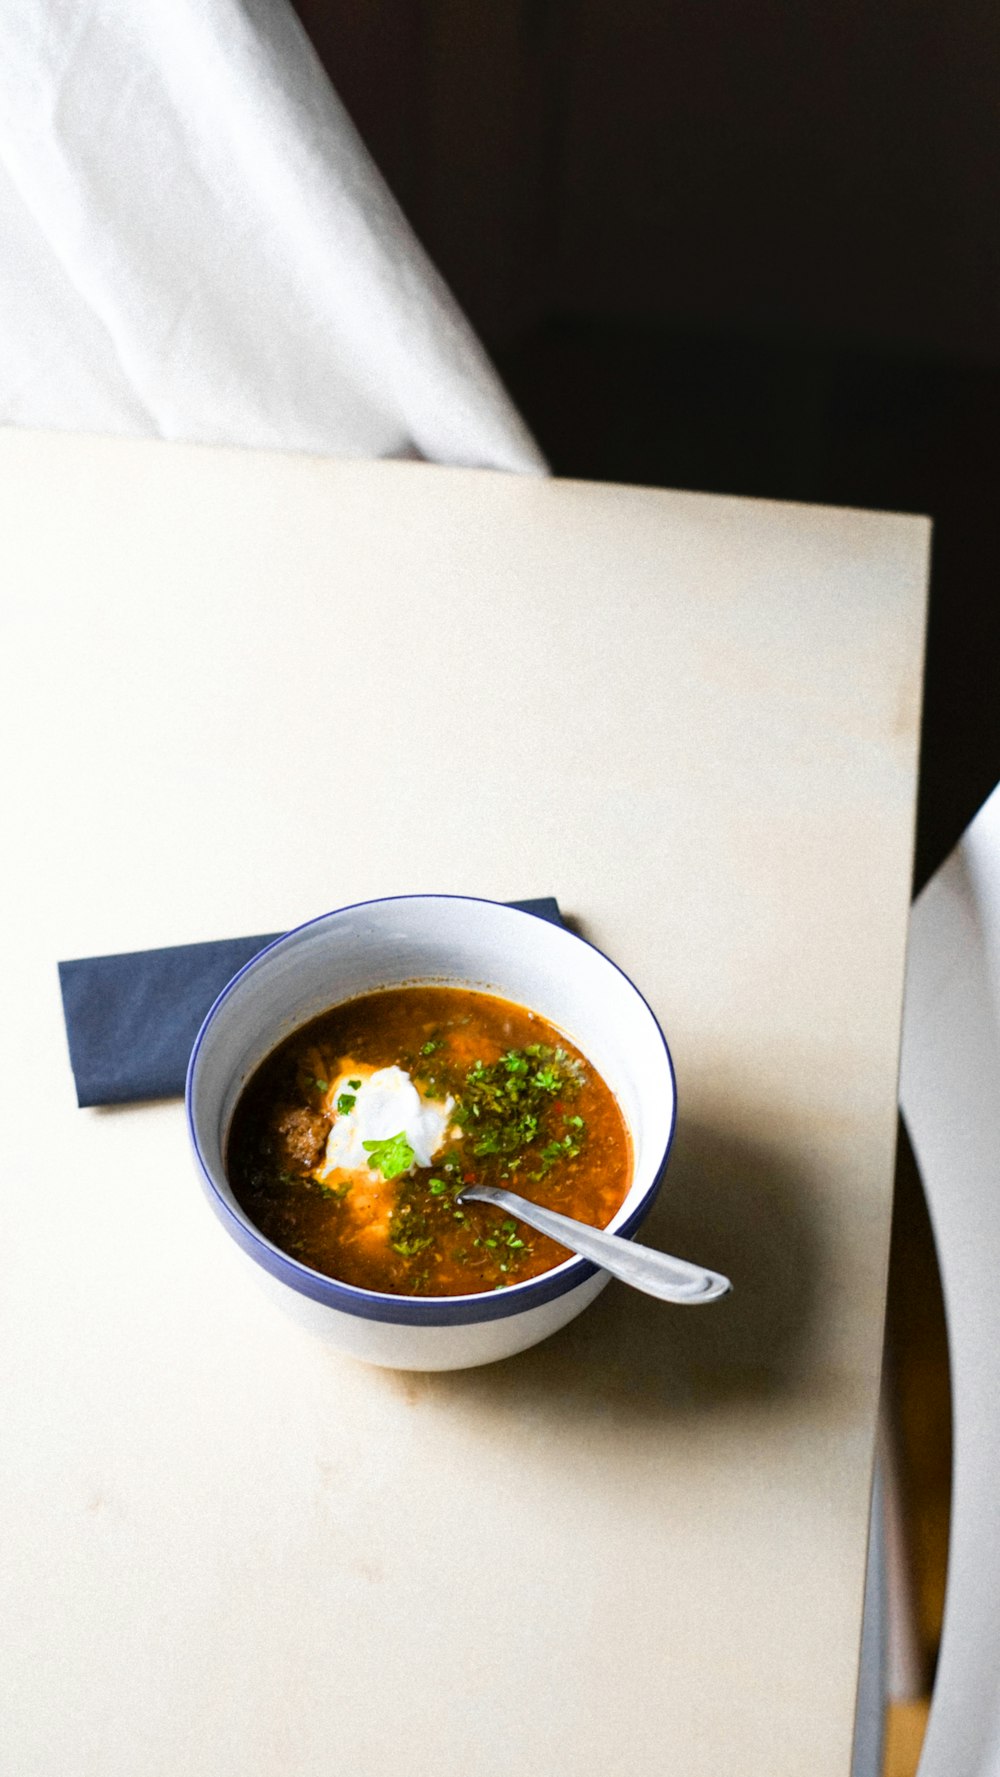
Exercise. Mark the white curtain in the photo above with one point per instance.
(196, 245)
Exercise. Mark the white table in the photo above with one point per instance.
(244, 689)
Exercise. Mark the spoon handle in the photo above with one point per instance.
(673, 1280)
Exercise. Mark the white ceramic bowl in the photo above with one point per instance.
(446, 940)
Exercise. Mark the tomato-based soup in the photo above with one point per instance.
(351, 1144)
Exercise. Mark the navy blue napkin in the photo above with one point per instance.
(132, 1019)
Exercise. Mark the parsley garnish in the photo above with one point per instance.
(409, 1231)
(346, 1101)
(392, 1156)
(509, 1231)
(504, 1105)
(337, 1191)
(407, 1249)
(567, 1149)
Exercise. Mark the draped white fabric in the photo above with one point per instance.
(198, 246)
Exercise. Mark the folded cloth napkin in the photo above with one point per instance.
(132, 1019)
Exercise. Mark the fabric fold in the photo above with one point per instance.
(215, 255)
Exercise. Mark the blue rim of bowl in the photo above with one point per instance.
(422, 1311)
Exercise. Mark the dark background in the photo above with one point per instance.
(750, 248)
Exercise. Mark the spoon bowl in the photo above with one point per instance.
(655, 1273)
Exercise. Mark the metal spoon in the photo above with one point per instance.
(673, 1280)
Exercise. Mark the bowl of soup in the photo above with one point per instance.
(359, 1073)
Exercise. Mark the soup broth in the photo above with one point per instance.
(352, 1142)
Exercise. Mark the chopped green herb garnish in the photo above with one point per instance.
(436, 1186)
(409, 1248)
(547, 1080)
(355, 1085)
(507, 1102)
(429, 1047)
(511, 1239)
(339, 1192)
(390, 1157)
(567, 1149)
(346, 1102)
(321, 1085)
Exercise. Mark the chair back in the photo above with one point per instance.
(950, 1098)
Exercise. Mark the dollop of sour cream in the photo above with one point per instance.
(387, 1103)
